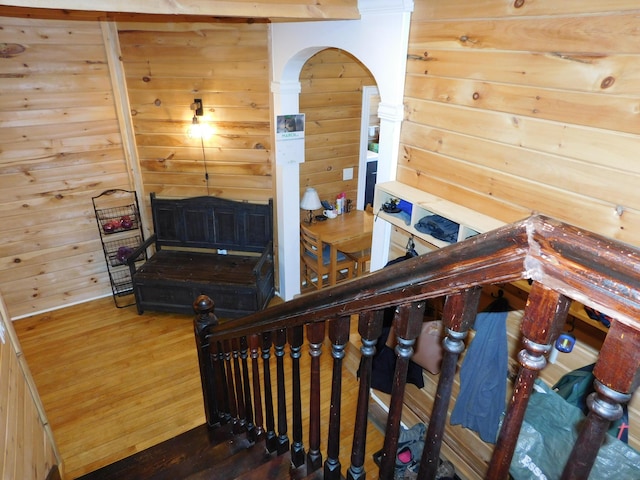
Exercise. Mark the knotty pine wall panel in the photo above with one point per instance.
(331, 99)
(167, 66)
(60, 146)
(534, 109)
(27, 447)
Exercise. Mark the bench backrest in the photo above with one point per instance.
(212, 222)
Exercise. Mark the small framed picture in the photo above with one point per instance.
(290, 127)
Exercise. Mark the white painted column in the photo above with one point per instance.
(285, 101)
(391, 116)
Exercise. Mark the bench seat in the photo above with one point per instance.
(189, 234)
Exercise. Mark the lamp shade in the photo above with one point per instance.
(310, 200)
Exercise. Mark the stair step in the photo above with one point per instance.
(177, 457)
(232, 466)
(280, 468)
(205, 454)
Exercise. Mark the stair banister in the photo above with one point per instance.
(407, 324)
(618, 375)
(544, 316)
(283, 437)
(338, 336)
(458, 316)
(369, 328)
(315, 335)
(562, 262)
(254, 345)
(272, 441)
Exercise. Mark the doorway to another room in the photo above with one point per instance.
(333, 84)
(369, 146)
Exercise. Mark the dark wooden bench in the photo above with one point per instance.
(207, 245)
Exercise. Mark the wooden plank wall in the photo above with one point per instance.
(60, 146)
(61, 143)
(331, 99)
(520, 107)
(167, 66)
(27, 447)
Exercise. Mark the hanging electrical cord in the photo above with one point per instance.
(200, 130)
(204, 162)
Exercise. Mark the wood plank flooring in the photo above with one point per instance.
(114, 382)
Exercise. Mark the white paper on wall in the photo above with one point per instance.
(290, 138)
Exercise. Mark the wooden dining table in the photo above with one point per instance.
(349, 232)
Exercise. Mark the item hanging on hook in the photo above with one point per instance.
(411, 248)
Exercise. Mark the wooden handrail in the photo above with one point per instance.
(562, 262)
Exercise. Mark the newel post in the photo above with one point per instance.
(205, 318)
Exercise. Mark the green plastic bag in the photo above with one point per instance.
(576, 386)
(549, 431)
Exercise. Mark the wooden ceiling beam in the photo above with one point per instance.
(288, 10)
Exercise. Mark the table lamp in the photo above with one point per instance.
(310, 201)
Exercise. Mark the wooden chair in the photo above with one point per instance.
(315, 261)
(359, 251)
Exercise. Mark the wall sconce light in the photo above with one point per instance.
(198, 129)
(310, 201)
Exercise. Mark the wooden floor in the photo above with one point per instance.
(114, 382)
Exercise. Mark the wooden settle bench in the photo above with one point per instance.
(207, 245)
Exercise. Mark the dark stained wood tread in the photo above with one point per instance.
(177, 457)
(203, 453)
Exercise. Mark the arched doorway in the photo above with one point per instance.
(331, 97)
(292, 45)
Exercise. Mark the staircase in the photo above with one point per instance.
(251, 399)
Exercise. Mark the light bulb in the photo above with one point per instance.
(199, 130)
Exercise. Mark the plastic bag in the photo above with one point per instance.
(576, 386)
(549, 431)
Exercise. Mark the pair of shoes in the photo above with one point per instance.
(445, 471)
(410, 446)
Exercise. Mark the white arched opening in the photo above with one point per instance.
(379, 41)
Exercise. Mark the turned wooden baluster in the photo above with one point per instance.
(544, 316)
(407, 325)
(204, 319)
(249, 425)
(217, 356)
(315, 336)
(339, 336)
(283, 439)
(271, 439)
(458, 315)
(369, 328)
(617, 373)
(254, 344)
(295, 336)
(233, 410)
(241, 424)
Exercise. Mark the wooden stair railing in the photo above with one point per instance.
(561, 261)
